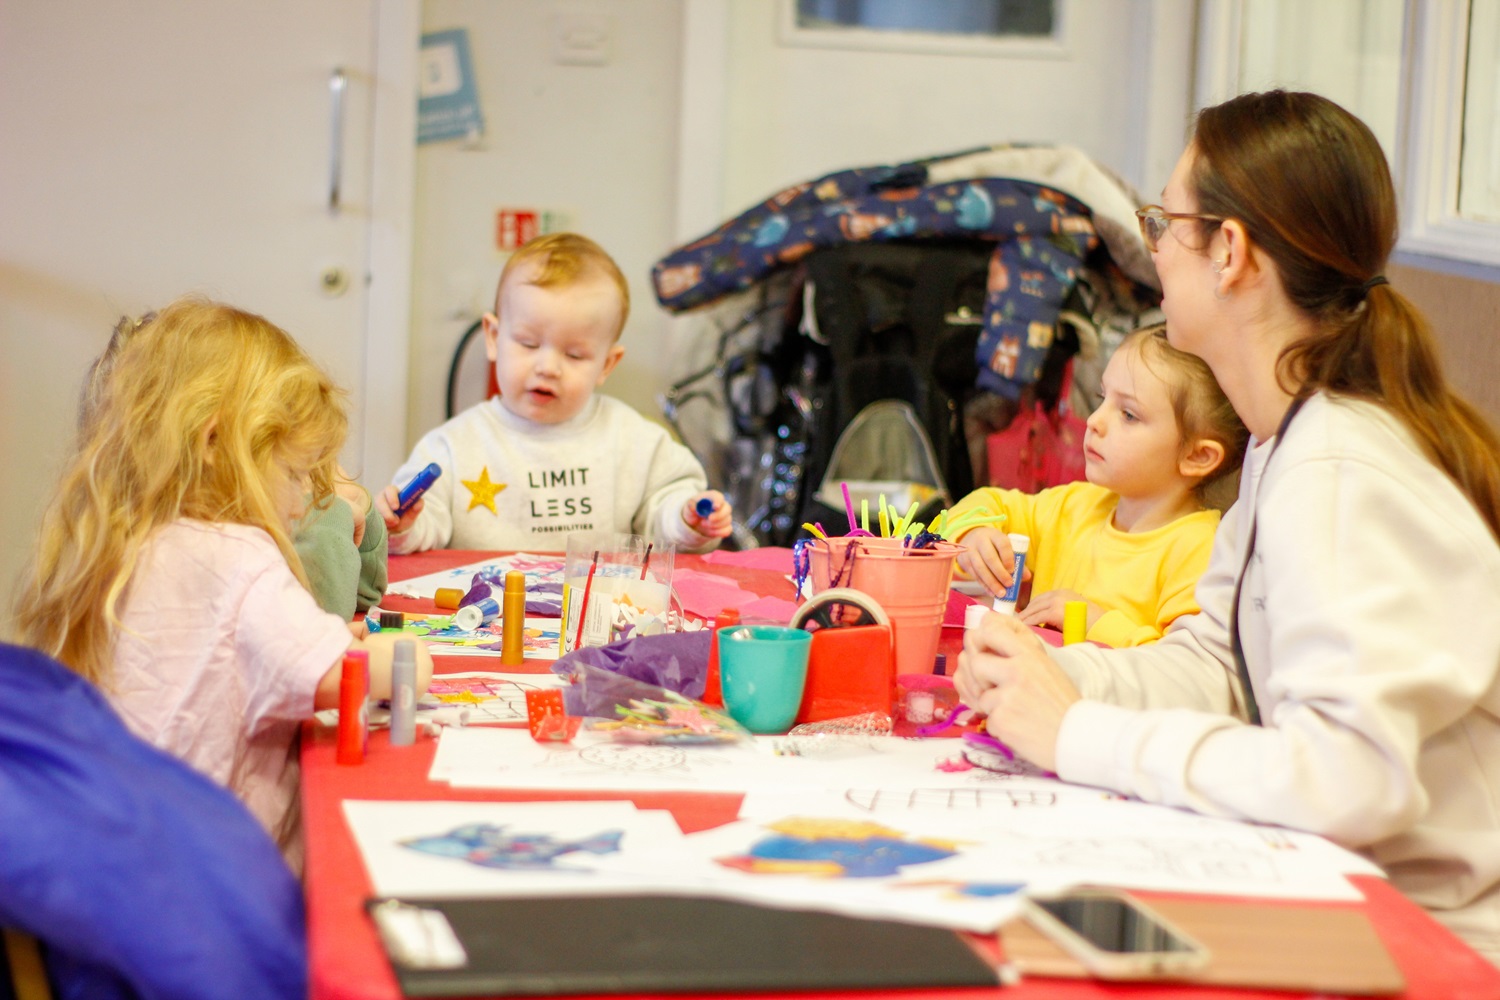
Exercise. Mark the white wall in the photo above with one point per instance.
(597, 142)
(701, 112)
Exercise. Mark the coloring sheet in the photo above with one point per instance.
(912, 870)
(1072, 834)
(539, 640)
(482, 697)
(510, 758)
(539, 569)
(485, 849)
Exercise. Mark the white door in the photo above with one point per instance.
(149, 149)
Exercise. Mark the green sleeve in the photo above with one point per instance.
(372, 562)
(324, 539)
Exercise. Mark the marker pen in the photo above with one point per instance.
(418, 485)
(471, 616)
(704, 507)
(354, 719)
(404, 694)
(1006, 602)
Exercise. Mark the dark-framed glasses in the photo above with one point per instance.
(1154, 222)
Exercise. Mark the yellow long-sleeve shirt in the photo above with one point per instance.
(1144, 580)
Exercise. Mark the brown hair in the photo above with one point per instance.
(1311, 186)
(1200, 407)
(562, 259)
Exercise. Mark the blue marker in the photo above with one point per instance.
(419, 485)
(704, 507)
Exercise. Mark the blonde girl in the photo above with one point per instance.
(165, 571)
(1132, 540)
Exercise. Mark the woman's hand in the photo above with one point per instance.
(1005, 673)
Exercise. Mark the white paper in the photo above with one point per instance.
(1073, 834)
(538, 569)
(383, 829)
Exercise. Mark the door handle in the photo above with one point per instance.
(338, 83)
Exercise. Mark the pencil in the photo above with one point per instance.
(583, 609)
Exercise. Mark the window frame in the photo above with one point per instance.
(1429, 128)
(789, 33)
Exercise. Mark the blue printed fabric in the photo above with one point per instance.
(1041, 237)
(139, 877)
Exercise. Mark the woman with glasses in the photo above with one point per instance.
(1343, 676)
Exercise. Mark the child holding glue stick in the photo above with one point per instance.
(1134, 538)
(165, 570)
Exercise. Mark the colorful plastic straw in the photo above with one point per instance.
(583, 609)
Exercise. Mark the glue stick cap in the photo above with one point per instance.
(474, 615)
(448, 598)
(1019, 543)
(974, 614)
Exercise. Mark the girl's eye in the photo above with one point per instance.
(1129, 416)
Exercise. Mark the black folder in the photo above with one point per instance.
(549, 945)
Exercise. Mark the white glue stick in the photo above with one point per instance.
(1006, 602)
(404, 694)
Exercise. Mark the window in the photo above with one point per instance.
(1423, 74)
(960, 27)
(1479, 175)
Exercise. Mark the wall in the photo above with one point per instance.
(1465, 316)
(702, 111)
(597, 142)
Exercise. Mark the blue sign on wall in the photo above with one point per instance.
(448, 103)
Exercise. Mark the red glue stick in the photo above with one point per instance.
(713, 694)
(354, 719)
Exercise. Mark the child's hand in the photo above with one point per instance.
(988, 558)
(1048, 609)
(357, 497)
(386, 504)
(717, 523)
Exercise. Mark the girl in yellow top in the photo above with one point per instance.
(1133, 540)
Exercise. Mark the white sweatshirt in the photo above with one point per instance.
(1370, 621)
(511, 483)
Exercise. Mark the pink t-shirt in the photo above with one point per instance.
(219, 658)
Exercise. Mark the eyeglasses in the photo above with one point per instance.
(1154, 221)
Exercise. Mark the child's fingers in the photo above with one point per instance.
(386, 504)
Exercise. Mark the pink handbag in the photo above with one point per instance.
(1039, 448)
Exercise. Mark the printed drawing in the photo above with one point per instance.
(539, 636)
(970, 799)
(836, 848)
(631, 759)
(1194, 861)
(487, 699)
(490, 846)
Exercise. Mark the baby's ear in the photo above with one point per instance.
(1200, 458)
(612, 358)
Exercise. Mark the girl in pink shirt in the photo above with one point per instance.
(165, 570)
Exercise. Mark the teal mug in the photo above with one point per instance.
(762, 671)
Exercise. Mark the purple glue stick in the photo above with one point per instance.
(418, 485)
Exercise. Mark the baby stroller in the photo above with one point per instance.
(855, 319)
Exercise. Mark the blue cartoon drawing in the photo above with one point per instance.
(489, 846)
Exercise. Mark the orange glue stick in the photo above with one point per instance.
(513, 624)
(354, 719)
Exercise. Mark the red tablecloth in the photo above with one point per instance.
(347, 961)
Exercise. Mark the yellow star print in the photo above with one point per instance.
(482, 491)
